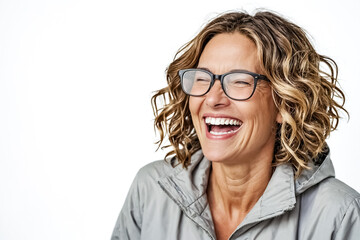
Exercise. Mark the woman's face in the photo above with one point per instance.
(253, 134)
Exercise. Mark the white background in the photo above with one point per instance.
(76, 77)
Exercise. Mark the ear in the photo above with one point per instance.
(279, 118)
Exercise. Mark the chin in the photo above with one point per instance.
(214, 155)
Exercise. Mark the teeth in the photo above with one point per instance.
(221, 133)
(221, 121)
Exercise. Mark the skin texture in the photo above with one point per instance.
(241, 163)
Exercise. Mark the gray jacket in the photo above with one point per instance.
(170, 203)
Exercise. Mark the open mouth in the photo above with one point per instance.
(222, 126)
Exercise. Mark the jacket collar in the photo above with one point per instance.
(188, 189)
(188, 186)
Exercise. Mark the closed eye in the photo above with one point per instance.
(202, 80)
(240, 83)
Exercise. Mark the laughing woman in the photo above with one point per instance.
(247, 116)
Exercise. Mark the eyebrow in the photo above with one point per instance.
(203, 68)
(232, 70)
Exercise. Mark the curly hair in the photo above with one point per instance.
(305, 94)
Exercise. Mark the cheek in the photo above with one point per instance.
(191, 105)
(194, 106)
(266, 112)
(269, 115)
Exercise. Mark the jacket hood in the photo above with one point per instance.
(319, 169)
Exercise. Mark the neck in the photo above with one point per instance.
(234, 189)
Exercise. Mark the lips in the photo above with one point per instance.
(222, 126)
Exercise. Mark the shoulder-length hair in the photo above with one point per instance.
(304, 86)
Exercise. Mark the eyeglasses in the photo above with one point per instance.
(238, 85)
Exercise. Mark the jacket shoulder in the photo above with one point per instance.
(156, 170)
(331, 194)
(342, 203)
(143, 196)
(147, 178)
(331, 206)
(337, 191)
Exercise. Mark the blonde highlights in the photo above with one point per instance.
(304, 93)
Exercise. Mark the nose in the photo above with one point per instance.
(216, 97)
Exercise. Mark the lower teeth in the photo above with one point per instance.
(221, 133)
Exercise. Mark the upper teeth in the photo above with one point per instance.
(221, 121)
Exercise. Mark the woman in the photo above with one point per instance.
(251, 161)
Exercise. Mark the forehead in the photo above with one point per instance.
(229, 51)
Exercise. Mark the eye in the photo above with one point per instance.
(202, 80)
(240, 82)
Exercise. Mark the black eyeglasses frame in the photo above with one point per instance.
(221, 77)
